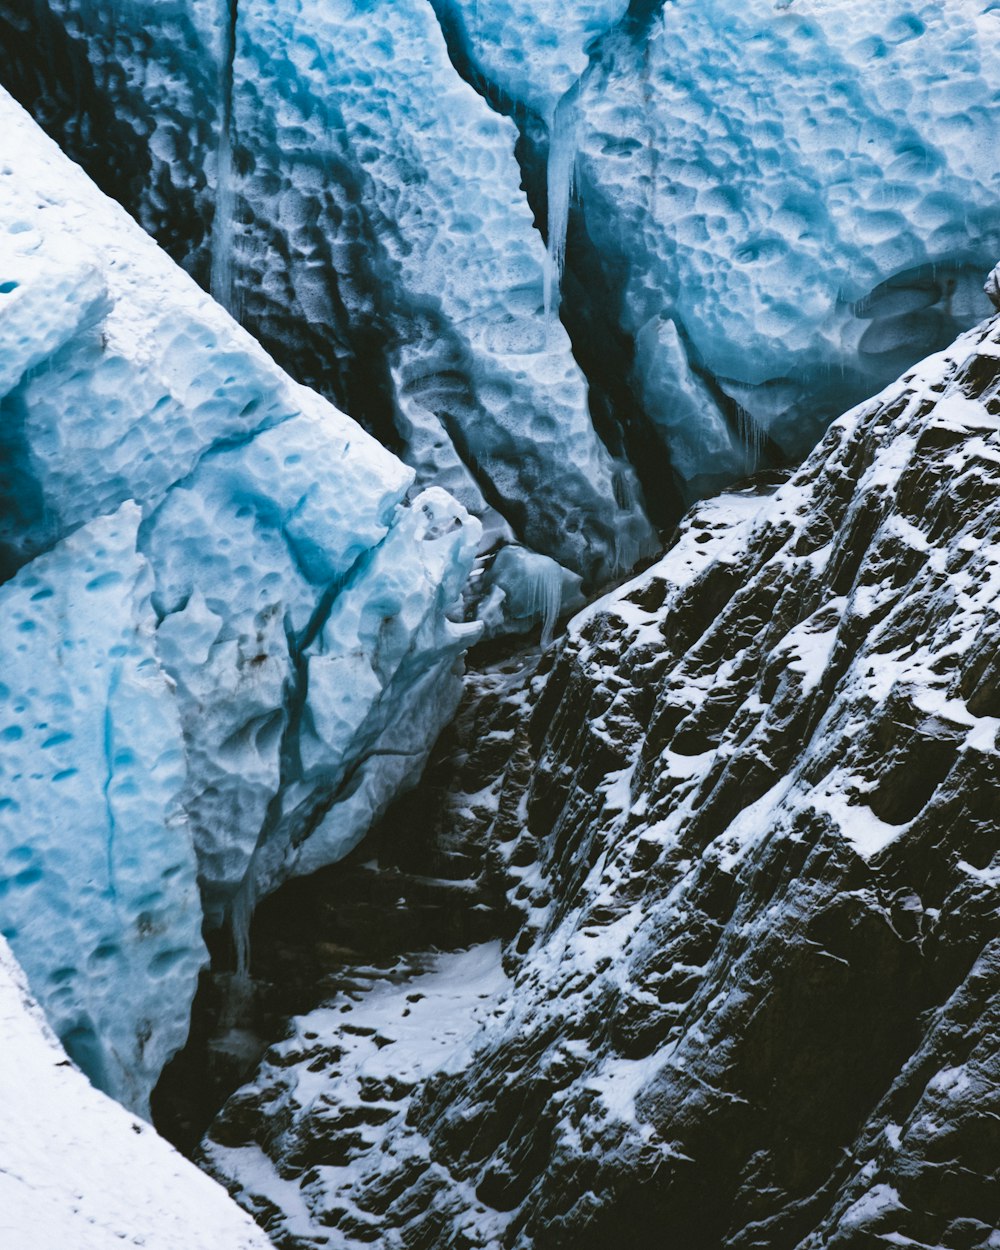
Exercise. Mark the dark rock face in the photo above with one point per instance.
(746, 819)
(423, 881)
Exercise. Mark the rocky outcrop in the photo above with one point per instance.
(745, 819)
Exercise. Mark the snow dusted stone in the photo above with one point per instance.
(746, 813)
(344, 1076)
(80, 1171)
(98, 892)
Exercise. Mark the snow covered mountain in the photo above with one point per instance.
(744, 815)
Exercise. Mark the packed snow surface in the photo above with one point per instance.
(81, 1173)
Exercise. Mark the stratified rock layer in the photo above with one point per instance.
(746, 815)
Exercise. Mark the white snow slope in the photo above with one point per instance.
(77, 1172)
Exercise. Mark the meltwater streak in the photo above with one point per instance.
(223, 222)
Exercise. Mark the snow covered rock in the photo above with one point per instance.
(746, 814)
(78, 1170)
(344, 1078)
(265, 555)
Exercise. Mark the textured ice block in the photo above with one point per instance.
(98, 893)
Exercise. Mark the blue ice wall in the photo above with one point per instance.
(359, 207)
(226, 624)
(806, 191)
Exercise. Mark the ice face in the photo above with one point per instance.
(380, 670)
(534, 55)
(268, 629)
(371, 228)
(248, 553)
(98, 893)
(803, 191)
(452, 234)
(533, 51)
(806, 192)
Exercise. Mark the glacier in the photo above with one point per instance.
(373, 235)
(256, 603)
(766, 213)
(723, 857)
(804, 192)
(98, 893)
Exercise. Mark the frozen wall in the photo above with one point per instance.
(804, 193)
(359, 207)
(226, 628)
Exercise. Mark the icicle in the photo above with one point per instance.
(629, 547)
(563, 142)
(240, 915)
(221, 278)
(546, 597)
(752, 436)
